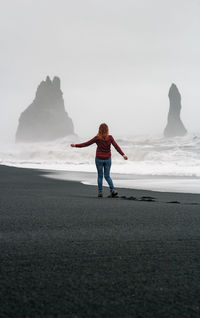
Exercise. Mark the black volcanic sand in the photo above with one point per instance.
(66, 253)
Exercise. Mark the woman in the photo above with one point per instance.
(103, 156)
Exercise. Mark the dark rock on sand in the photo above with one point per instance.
(147, 198)
(174, 126)
(132, 198)
(143, 198)
(115, 197)
(45, 119)
(176, 202)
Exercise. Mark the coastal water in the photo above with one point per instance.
(154, 162)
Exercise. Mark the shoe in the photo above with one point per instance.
(113, 193)
(100, 195)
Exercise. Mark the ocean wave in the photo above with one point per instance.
(148, 155)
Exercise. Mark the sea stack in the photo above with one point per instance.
(174, 126)
(45, 119)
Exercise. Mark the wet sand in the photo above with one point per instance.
(66, 253)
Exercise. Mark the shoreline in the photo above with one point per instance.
(69, 177)
(134, 182)
(157, 183)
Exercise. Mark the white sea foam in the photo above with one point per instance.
(148, 156)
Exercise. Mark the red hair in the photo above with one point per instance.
(103, 131)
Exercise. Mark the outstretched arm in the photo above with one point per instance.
(85, 144)
(118, 148)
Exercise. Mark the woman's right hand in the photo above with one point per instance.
(73, 145)
(125, 157)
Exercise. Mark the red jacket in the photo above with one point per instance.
(103, 146)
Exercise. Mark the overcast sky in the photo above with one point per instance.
(116, 60)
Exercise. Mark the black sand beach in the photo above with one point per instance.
(67, 253)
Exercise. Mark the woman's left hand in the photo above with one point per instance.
(125, 157)
(73, 145)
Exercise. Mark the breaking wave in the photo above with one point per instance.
(148, 155)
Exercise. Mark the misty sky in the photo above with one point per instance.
(116, 60)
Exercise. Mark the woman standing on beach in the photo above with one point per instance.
(103, 156)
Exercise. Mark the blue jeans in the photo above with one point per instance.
(103, 167)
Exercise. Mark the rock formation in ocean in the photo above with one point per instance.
(174, 126)
(45, 119)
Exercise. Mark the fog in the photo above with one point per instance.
(116, 60)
